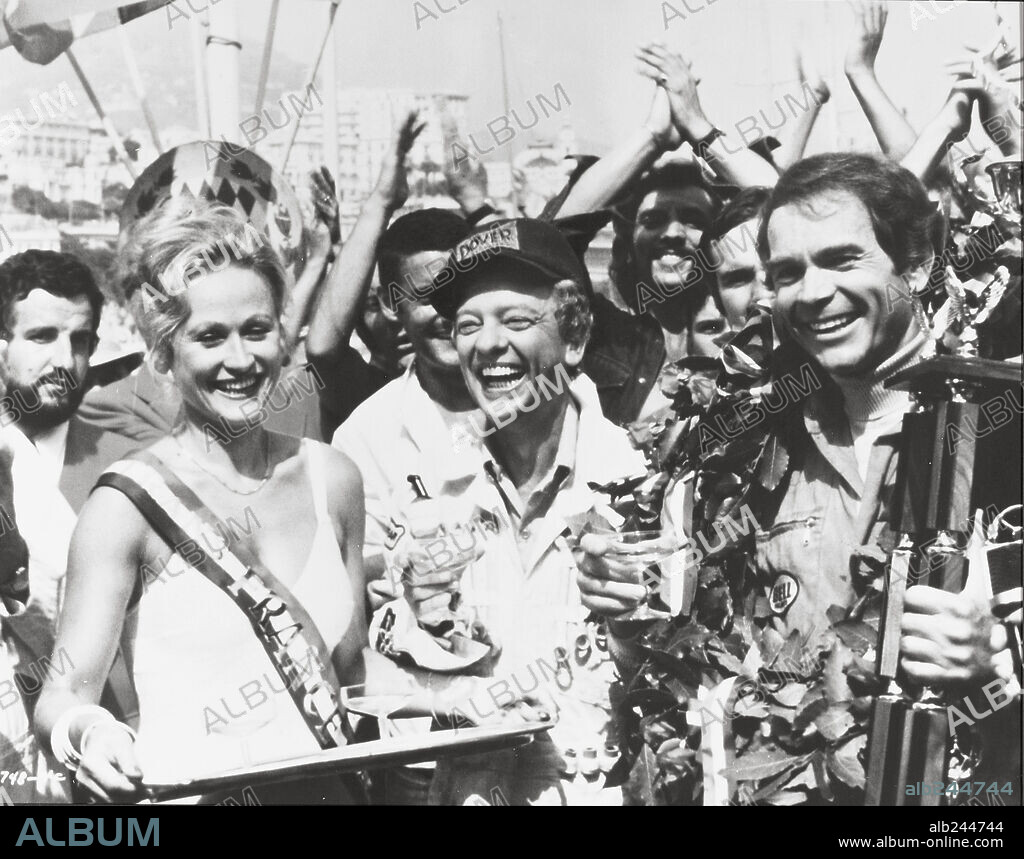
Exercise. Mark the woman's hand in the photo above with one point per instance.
(609, 588)
(109, 769)
(493, 701)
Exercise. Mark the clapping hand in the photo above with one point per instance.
(992, 76)
(660, 124)
(675, 75)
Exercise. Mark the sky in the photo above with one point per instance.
(742, 49)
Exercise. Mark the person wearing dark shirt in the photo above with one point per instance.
(345, 302)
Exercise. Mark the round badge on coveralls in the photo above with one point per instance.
(783, 593)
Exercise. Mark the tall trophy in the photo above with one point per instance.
(951, 463)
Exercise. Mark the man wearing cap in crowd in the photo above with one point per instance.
(516, 294)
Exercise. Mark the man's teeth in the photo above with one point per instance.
(831, 324)
(674, 264)
(501, 378)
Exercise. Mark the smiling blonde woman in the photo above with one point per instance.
(235, 651)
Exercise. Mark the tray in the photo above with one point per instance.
(394, 751)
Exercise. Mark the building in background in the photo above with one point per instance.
(540, 170)
(365, 122)
(64, 159)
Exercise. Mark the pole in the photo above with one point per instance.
(505, 104)
(223, 49)
(330, 124)
(198, 25)
(268, 47)
(108, 126)
(140, 87)
(312, 80)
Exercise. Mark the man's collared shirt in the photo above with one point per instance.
(524, 587)
(523, 590)
(827, 512)
(525, 516)
(395, 437)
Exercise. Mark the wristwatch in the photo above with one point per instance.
(700, 147)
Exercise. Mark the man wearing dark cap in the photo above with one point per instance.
(516, 294)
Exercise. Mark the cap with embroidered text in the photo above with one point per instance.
(535, 244)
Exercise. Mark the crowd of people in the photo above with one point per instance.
(419, 520)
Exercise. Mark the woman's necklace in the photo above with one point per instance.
(254, 490)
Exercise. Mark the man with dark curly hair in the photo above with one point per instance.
(49, 313)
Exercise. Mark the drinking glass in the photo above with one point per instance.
(641, 551)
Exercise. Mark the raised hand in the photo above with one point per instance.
(992, 77)
(393, 184)
(660, 124)
(325, 202)
(868, 26)
(809, 74)
(318, 250)
(956, 113)
(465, 175)
(674, 74)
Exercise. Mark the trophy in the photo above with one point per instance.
(1006, 185)
(947, 467)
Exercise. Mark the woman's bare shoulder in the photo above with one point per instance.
(339, 469)
(107, 504)
(343, 484)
